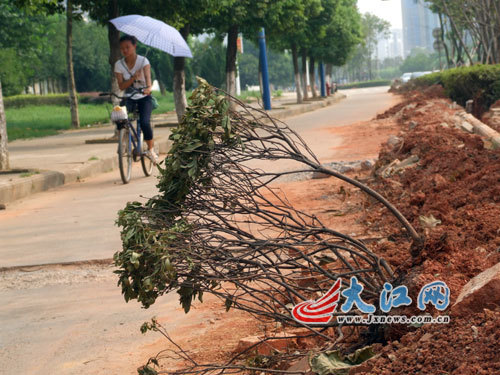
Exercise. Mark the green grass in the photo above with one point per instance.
(28, 174)
(166, 103)
(43, 120)
(357, 85)
(248, 94)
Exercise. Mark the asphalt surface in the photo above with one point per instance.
(73, 320)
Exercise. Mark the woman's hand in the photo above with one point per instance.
(147, 90)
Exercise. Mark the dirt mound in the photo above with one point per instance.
(451, 195)
(415, 99)
(449, 189)
(465, 346)
(456, 180)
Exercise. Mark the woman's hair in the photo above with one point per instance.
(130, 38)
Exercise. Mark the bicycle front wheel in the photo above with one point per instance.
(125, 154)
(146, 162)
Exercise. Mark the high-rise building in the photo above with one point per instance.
(397, 42)
(390, 47)
(418, 23)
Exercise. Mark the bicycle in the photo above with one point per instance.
(131, 145)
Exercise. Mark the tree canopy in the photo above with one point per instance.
(33, 43)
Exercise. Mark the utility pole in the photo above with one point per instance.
(266, 93)
(322, 79)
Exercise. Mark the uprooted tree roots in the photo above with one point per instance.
(218, 225)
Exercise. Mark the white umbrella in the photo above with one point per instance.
(153, 33)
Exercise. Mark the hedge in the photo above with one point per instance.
(374, 83)
(19, 101)
(479, 82)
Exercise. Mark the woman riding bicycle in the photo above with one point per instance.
(134, 72)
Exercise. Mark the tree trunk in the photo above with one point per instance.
(443, 39)
(303, 52)
(114, 47)
(370, 68)
(232, 37)
(328, 76)
(312, 77)
(296, 73)
(73, 100)
(4, 154)
(496, 26)
(163, 89)
(454, 26)
(180, 80)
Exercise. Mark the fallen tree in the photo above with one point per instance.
(219, 227)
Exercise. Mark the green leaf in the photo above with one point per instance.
(129, 235)
(134, 259)
(193, 146)
(192, 171)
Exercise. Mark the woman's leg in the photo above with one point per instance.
(145, 109)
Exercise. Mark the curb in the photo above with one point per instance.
(307, 107)
(29, 185)
(46, 180)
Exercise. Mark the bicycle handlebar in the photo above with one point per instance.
(134, 91)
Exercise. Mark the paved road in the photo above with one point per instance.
(74, 320)
(76, 221)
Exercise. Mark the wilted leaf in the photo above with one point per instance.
(228, 303)
(329, 363)
(146, 370)
(429, 221)
(361, 355)
(334, 363)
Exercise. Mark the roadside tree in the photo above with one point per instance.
(373, 29)
(4, 154)
(72, 11)
(285, 24)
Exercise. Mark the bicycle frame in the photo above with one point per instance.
(135, 133)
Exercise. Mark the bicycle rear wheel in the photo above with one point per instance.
(125, 154)
(147, 163)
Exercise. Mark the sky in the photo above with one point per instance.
(389, 10)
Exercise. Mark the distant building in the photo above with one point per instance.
(397, 43)
(390, 47)
(418, 23)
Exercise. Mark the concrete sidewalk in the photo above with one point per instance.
(43, 163)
